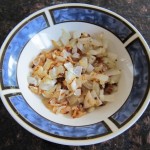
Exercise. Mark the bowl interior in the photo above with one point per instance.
(42, 41)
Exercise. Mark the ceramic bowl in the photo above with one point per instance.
(34, 34)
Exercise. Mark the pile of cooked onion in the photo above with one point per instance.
(77, 75)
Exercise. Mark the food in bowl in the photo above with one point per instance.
(77, 75)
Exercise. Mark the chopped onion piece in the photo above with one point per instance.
(91, 109)
(84, 40)
(88, 85)
(69, 76)
(48, 93)
(76, 34)
(74, 50)
(72, 100)
(96, 42)
(34, 89)
(102, 78)
(32, 80)
(68, 66)
(97, 51)
(53, 73)
(65, 54)
(77, 71)
(112, 72)
(58, 87)
(36, 61)
(80, 46)
(96, 98)
(114, 79)
(90, 68)
(47, 83)
(65, 37)
(61, 59)
(47, 64)
(101, 95)
(77, 92)
(96, 87)
(59, 109)
(89, 101)
(62, 94)
(72, 42)
(74, 85)
(60, 70)
(92, 59)
(83, 62)
(45, 87)
(93, 52)
(56, 44)
(76, 55)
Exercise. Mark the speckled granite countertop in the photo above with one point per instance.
(14, 137)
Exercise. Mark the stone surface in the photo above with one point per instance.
(13, 136)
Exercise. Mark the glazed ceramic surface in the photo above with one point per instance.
(34, 34)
